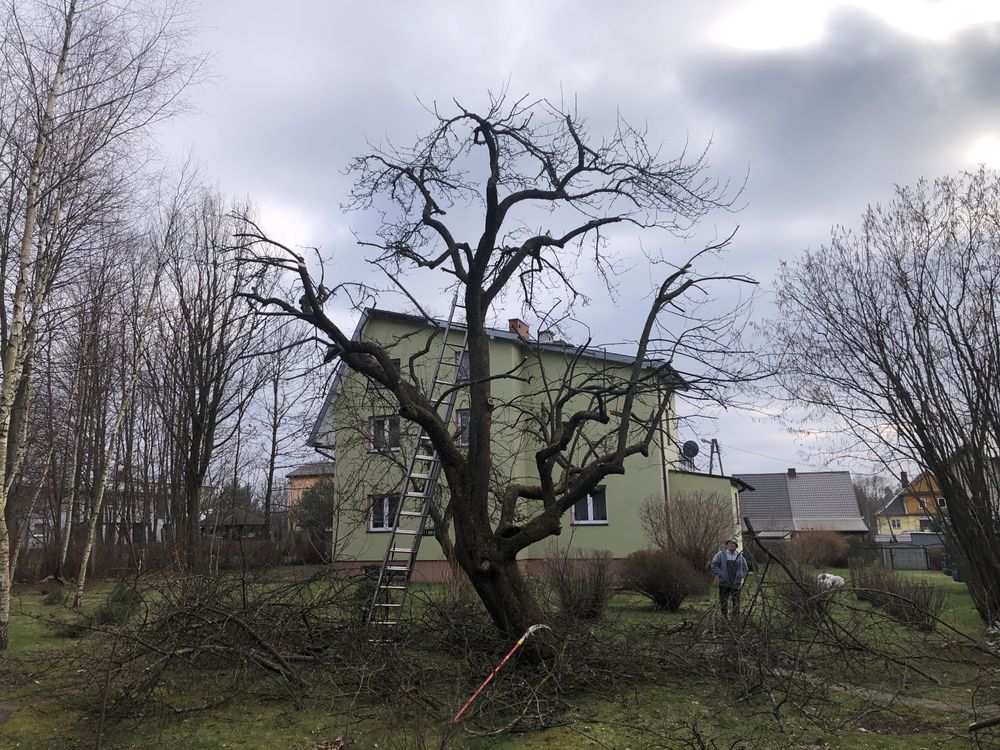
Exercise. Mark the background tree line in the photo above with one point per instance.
(135, 386)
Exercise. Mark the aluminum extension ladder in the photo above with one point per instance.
(418, 486)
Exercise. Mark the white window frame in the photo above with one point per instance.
(942, 504)
(385, 423)
(462, 435)
(386, 501)
(590, 521)
(895, 523)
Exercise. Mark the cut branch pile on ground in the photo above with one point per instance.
(234, 635)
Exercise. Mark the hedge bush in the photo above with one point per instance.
(819, 548)
(583, 582)
(917, 604)
(664, 577)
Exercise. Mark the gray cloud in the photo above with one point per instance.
(823, 129)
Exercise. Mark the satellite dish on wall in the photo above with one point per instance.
(689, 449)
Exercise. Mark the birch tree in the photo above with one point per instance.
(80, 84)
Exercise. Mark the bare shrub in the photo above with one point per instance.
(804, 600)
(583, 581)
(663, 576)
(819, 549)
(934, 557)
(917, 604)
(694, 525)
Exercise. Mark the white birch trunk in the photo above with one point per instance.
(13, 358)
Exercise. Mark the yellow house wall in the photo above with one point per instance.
(907, 524)
(361, 473)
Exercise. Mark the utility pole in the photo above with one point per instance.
(713, 451)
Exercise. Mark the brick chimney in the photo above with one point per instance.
(791, 473)
(519, 327)
(903, 479)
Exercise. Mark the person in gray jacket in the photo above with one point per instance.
(730, 568)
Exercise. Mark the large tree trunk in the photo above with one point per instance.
(192, 530)
(502, 589)
(972, 533)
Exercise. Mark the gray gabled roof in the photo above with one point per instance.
(807, 501)
(768, 506)
(894, 507)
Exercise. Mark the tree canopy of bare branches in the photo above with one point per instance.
(893, 331)
(509, 202)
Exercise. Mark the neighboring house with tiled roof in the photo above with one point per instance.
(913, 507)
(787, 502)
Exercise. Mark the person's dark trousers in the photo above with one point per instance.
(727, 593)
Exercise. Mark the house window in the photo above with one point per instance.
(385, 433)
(383, 512)
(593, 509)
(942, 503)
(462, 438)
(462, 362)
(896, 523)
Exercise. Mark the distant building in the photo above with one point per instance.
(912, 508)
(303, 477)
(788, 502)
(246, 524)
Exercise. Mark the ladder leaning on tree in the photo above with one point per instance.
(419, 484)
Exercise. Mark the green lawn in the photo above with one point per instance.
(48, 702)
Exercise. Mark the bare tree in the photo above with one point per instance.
(79, 84)
(280, 413)
(517, 165)
(694, 526)
(209, 372)
(893, 332)
(873, 492)
(145, 292)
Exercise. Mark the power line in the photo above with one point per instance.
(764, 455)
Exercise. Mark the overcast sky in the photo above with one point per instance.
(826, 104)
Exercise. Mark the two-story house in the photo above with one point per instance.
(360, 426)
